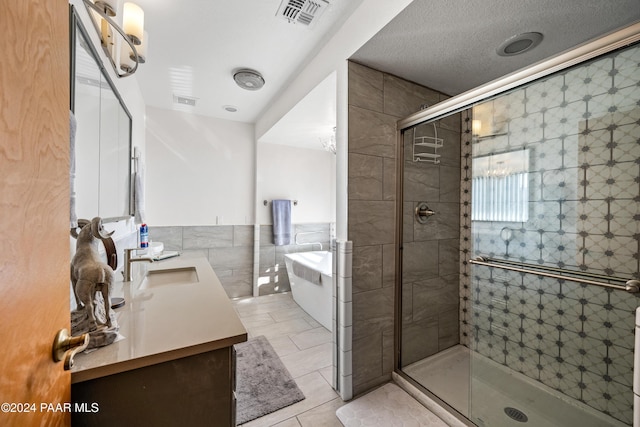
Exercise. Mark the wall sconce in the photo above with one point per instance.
(133, 22)
(476, 127)
(132, 32)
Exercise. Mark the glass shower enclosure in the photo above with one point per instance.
(519, 247)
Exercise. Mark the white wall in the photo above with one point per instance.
(333, 58)
(200, 170)
(302, 174)
(362, 25)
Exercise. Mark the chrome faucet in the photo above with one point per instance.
(295, 239)
(128, 260)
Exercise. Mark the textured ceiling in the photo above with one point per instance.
(450, 46)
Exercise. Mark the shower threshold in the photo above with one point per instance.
(499, 395)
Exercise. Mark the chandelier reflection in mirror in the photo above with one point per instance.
(129, 50)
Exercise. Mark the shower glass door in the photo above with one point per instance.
(554, 180)
(430, 282)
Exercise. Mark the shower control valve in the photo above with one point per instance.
(423, 212)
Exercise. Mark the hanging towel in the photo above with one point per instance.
(138, 188)
(281, 222)
(73, 218)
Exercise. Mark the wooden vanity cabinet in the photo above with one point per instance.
(197, 390)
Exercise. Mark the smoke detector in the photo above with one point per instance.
(248, 79)
(305, 12)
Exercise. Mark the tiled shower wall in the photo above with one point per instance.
(464, 295)
(376, 102)
(430, 272)
(230, 251)
(582, 129)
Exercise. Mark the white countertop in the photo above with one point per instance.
(164, 322)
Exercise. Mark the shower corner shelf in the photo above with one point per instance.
(425, 148)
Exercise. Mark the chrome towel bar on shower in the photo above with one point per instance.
(631, 286)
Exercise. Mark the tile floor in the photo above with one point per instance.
(304, 346)
(388, 405)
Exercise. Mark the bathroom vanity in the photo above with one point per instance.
(175, 363)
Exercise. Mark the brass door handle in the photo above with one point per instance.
(66, 347)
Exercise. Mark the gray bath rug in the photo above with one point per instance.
(263, 384)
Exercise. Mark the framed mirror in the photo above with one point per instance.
(102, 146)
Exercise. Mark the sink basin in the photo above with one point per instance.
(170, 276)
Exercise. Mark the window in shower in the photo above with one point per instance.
(501, 187)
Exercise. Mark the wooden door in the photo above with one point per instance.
(34, 209)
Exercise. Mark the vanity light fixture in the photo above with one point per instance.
(128, 55)
(128, 58)
(142, 49)
(133, 22)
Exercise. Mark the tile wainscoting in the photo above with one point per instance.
(230, 251)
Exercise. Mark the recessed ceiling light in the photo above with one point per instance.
(248, 79)
(519, 44)
(230, 108)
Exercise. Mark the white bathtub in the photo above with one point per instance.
(312, 288)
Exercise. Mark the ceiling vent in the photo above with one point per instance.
(184, 100)
(305, 12)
